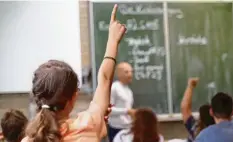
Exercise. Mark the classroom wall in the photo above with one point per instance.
(32, 33)
(85, 33)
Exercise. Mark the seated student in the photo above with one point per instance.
(144, 128)
(205, 119)
(221, 110)
(13, 125)
(55, 90)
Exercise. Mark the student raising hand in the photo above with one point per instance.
(55, 91)
(193, 126)
(186, 104)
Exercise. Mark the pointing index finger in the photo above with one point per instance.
(113, 16)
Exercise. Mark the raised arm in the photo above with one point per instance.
(106, 71)
(186, 104)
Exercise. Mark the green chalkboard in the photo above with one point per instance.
(200, 44)
(142, 46)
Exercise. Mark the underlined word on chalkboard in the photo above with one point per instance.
(141, 9)
(192, 40)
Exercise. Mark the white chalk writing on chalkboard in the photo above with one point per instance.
(133, 25)
(192, 40)
(142, 50)
(148, 71)
(144, 41)
(138, 41)
(211, 90)
(211, 85)
(142, 9)
(141, 60)
(158, 51)
(224, 56)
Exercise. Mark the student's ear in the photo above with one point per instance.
(211, 112)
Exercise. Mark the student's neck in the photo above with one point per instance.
(219, 120)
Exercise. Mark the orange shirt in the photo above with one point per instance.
(89, 126)
(1, 136)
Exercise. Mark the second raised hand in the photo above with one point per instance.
(193, 82)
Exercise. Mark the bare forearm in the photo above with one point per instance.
(107, 67)
(186, 104)
(105, 76)
(187, 99)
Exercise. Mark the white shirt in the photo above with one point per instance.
(126, 136)
(122, 99)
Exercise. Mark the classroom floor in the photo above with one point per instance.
(170, 130)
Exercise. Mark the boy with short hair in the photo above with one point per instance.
(221, 110)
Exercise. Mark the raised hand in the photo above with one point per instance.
(116, 29)
(193, 82)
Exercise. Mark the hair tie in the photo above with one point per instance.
(45, 106)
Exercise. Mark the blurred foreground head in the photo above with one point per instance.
(221, 106)
(55, 87)
(145, 126)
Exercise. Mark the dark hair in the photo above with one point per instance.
(54, 84)
(205, 119)
(222, 105)
(145, 126)
(13, 125)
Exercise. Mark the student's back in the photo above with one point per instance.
(221, 110)
(222, 132)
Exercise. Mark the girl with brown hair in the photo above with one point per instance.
(144, 128)
(55, 90)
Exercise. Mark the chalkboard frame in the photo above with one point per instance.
(170, 116)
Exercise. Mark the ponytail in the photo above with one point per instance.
(44, 127)
(53, 85)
